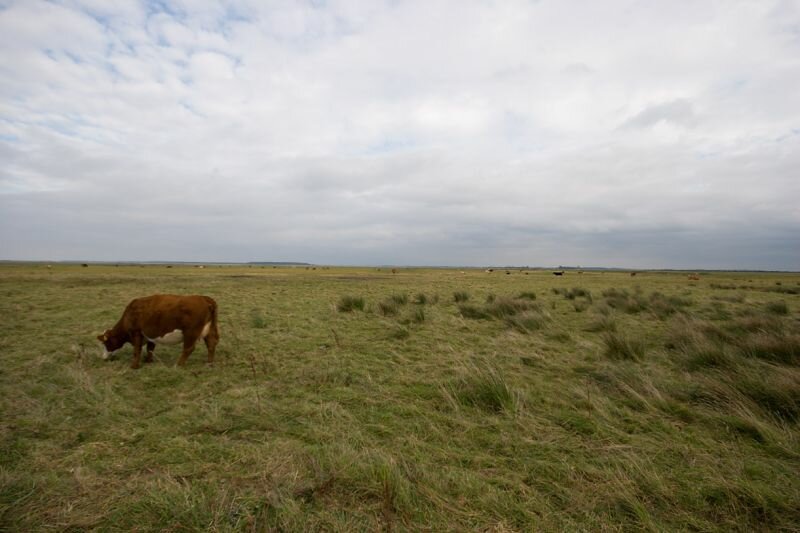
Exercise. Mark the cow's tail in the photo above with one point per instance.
(212, 309)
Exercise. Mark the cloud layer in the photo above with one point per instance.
(531, 133)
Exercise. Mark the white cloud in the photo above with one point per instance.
(407, 132)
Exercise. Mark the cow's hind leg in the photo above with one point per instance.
(150, 347)
(211, 341)
(137, 350)
(188, 348)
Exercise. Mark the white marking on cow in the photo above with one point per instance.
(173, 337)
(104, 353)
(176, 336)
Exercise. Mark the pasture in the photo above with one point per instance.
(356, 399)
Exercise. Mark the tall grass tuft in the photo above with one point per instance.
(601, 323)
(527, 321)
(777, 308)
(257, 319)
(485, 388)
(460, 296)
(472, 311)
(347, 304)
(620, 348)
(387, 308)
(420, 298)
(399, 299)
(526, 295)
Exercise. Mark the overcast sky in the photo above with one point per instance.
(617, 133)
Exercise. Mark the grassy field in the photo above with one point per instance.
(355, 399)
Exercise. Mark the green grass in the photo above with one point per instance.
(663, 405)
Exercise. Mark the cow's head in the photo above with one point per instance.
(111, 343)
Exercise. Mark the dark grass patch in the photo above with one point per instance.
(387, 308)
(601, 323)
(527, 321)
(420, 298)
(622, 300)
(777, 308)
(776, 347)
(580, 306)
(526, 295)
(257, 319)
(473, 311)
(778, 395)
(347, 304)
(399, 299)
(619, 347)
(460, 296)
(503, 307)
(486, 389)
(743, 428)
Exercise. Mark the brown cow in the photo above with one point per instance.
(164, 319)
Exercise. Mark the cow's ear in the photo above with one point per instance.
(102, 338)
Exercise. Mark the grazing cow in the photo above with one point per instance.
(694, 277)
(633, 273)
(164, 319)
(561, 273)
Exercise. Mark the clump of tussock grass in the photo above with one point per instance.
(348, 304)
(620, 347)
(780, 347)
(601, 322)
(777, 308)
(257, 319)
(485, 388)
(701, 344)
(622, 300)
(575, 292)
(580, 306)
(776, 393)
(722, 286)
(527, 321)
(490, 297)
(717, 311)
(472, 311)
(460, 296)
(503, 307)
(399, 333)
(420, 298)
(778, 289)
(387, 308)
(734, 298)
(705, 344)
(418, 315)
(664, 306)
(399, 299)
(526, 295)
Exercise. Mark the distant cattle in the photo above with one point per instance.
(558, 273)
(489, 270)
(694, 277)
(394, 271)
(633, 273)
(84, 264)
(164, 319)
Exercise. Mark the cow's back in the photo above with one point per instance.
(163, 313)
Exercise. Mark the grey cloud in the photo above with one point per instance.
(400, 133)
(680, 112)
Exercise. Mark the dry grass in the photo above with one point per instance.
(661, 407)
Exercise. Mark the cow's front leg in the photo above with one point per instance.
(188, 348)
(137, 350)
(150, 347)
